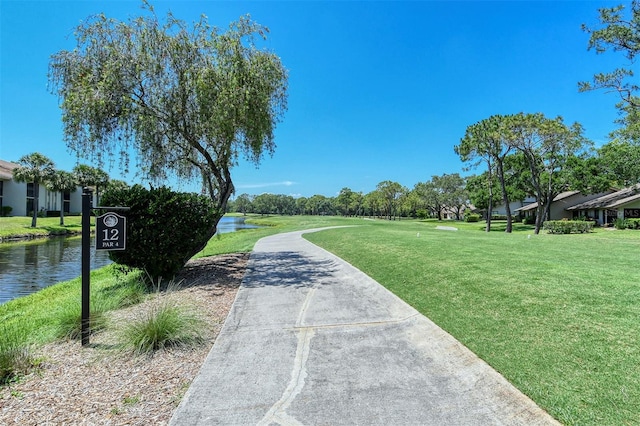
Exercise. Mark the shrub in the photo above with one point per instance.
(164, 325)
(621, 223)
(529, 220)
(472, 217)
(6, 211)
(69, 320)
(633, 223)
(567, 226)
(15, 354)
(422, 214)
(165, 228)
(502, 217)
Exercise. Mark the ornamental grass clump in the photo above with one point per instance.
(69, 320)
(166, 324)
(16, 354)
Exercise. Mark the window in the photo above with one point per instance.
(67, 201)
(30, 200)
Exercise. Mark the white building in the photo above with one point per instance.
(19, 196)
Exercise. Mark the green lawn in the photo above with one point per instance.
(38, 314)
(244, 240)
(19, 226)
(557, 315)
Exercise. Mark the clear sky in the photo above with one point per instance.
(377, 90)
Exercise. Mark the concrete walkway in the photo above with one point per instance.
(311, 340)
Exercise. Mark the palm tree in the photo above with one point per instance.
(91, 176)
(62, 182)
(34, 168)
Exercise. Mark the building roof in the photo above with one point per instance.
(6, 169)
(612, 200)
(558, 197)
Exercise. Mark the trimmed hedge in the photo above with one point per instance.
(472, 217)
(627, 223)
(165, 228)
(567, 226)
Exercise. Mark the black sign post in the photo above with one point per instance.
(111, 234)
(87, 195)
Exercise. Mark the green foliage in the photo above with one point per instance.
(627, 223)
(472, 217)
(122, 293)
(165, 325)
(621, 160)
(188, 99)
(54, 312)
(69, 320)
(481, 190)
(165, 228)
(16, 354)
(422, 214)
(6, 211)
(568, 226)
(619, 32)
(529, 220)
(620, 223)
(37, 169)
(442, 192)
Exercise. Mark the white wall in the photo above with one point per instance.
(15, 195)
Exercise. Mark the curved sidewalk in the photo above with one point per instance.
(311, 340)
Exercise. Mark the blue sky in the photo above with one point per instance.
(377, 90)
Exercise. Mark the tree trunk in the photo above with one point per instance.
(34, 218)
(505, 197)
(540, 212)
(490, 207)
(61, 208)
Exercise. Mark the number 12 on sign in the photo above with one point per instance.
(111, 232)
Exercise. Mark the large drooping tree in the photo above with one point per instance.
(62, 182)
(36, 169)
(187, 100)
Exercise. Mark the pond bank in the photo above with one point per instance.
(34, 236)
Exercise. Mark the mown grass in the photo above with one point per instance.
(243, 241)
(54, 312)
(18, 226)
(42, 315)
(557, 315)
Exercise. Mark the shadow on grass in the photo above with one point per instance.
(502, 226)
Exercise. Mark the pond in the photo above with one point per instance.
(27, 267)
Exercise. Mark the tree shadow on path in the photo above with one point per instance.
(288, 269)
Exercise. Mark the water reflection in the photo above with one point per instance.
(232, 224)
(26, 267)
